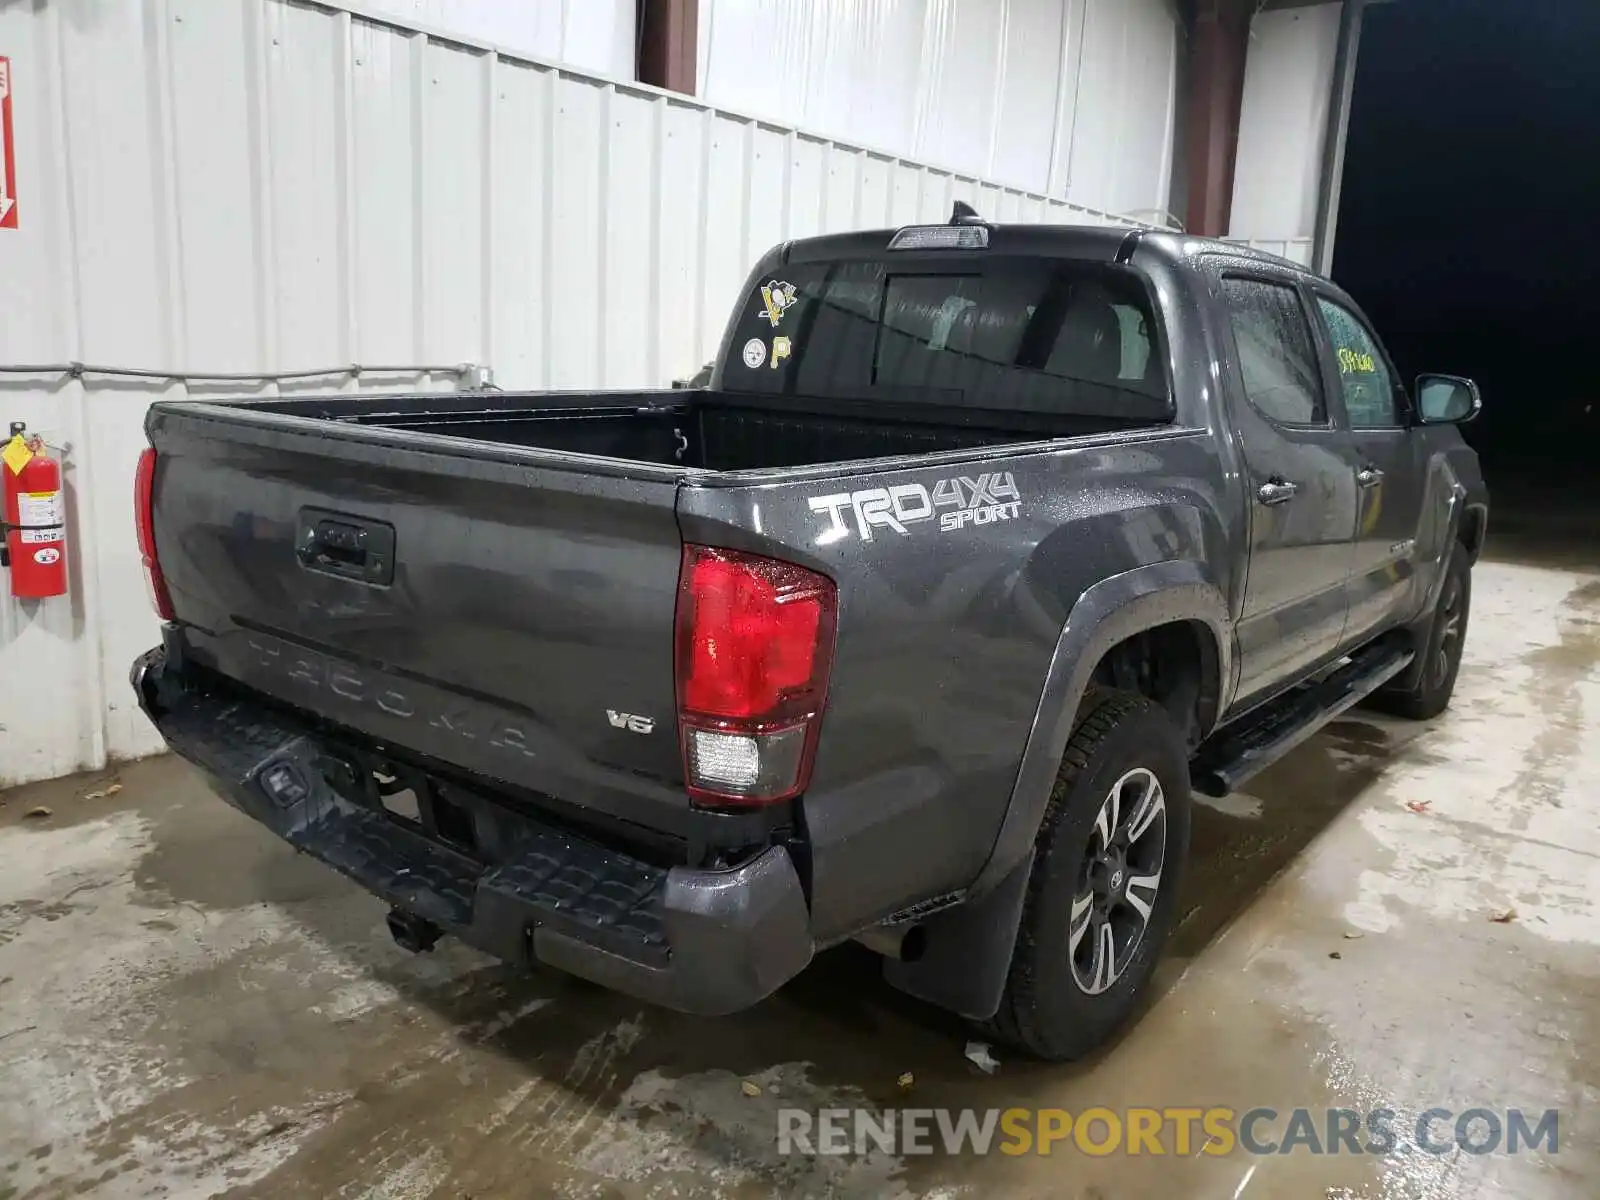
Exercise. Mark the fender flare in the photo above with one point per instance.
(1107, 613)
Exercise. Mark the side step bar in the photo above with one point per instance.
(1236, 752)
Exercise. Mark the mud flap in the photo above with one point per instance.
(967, 954)
(1420, 631)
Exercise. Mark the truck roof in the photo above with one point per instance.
(1102, 243)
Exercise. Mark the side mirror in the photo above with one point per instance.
(1447, 399)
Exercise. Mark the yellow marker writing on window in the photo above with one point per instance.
(1351, 362)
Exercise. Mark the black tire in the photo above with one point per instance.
(1046, 1010)
(1429, 692)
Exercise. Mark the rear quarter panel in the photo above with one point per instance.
(947, 630)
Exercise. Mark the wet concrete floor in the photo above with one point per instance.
(187, 1008)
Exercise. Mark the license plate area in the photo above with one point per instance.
(412, 799)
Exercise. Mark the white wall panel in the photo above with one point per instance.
(385, 191)
(1074, 99)
(766, 191)
(682, 327)
(577, 347)
(877, 196)
(847, 68)
(301, 152)
(1125, 108)
(522, 105)
(1288, 84)
(454, 174)
(593, 35)
(212, 84)
(722, 238)
(1294, 249)
(805, 192)
(265, 185)
(1032, 90)
(966, 46)
(632, 204)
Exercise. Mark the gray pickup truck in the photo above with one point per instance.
(983, 546)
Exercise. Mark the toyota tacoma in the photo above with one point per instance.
(915, 623)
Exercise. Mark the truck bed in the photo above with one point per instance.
(450, 574)
(710, 430)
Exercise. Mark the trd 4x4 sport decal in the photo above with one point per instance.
(981, 501)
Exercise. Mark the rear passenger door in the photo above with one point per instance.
(1389, 478)
(1299, 478)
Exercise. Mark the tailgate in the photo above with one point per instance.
(494, 608)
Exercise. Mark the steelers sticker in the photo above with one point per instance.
(776, 297)
(780, 350)
(755, 353)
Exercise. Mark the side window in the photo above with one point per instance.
(1135, 342)
(1369, 397)
(1277, 356)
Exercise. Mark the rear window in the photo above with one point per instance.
(1019, 335)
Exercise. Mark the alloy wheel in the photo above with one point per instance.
(1119, 882)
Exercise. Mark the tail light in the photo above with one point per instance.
(144, 486)
(754, 645)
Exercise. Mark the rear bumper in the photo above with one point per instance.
(708, 942)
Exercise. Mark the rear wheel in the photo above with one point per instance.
(1100, 900)
(1430, 691)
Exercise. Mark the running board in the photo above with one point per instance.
(1236, 752)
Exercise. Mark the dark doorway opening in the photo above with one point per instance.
(1469, 229)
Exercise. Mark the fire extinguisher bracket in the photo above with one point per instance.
(5, 542)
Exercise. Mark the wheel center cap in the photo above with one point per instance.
(1116, 880)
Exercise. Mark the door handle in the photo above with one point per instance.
(1276, 491)
(335, 543)
(1369, 477)
(351, 547)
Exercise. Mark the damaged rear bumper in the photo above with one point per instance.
(699, 941)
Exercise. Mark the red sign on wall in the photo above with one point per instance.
(8, 156)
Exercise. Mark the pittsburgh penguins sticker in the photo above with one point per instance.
(776, 297)
(755, 353)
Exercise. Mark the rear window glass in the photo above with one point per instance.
(1020, 335)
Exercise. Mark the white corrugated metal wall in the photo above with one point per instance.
(591, 35)
(259, 185)
(1071, 98)
(1282, 127)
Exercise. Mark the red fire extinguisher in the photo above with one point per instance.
(35, 517)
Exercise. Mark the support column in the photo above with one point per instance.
(1333, 147)
(669, 39)
(1218, 45)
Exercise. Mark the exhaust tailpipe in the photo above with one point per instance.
(902, 942)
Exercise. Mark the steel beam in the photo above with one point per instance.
(1219, 41)
(669, 38)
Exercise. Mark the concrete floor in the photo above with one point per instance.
(188, 1008)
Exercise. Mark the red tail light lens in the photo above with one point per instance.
(144, 484)
(754, 646)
